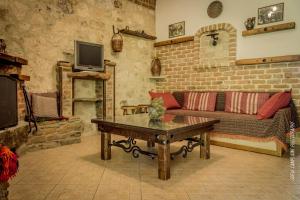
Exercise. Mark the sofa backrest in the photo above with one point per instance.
(220, 102)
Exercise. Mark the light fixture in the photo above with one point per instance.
(214, 37)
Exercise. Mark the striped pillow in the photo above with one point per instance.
(244, 102)
(205, 101)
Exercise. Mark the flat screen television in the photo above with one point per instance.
(88, 56)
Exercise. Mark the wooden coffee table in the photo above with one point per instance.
(163, 132)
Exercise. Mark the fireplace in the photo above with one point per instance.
(8, 102)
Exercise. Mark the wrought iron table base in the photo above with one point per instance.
(129, 146)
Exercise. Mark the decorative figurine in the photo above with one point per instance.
(250, 23)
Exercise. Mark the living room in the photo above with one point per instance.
(112, 99)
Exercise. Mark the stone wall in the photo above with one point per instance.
(55, 133)
(44, 32)
(184, 70)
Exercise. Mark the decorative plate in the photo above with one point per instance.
(215, 9)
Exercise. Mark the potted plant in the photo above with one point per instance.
(8, 169)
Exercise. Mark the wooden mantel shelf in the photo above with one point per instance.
(275, 59)
(9, 59)
(268, 29)
(174, 41)
(89, 75)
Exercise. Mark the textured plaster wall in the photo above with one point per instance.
(44, 32)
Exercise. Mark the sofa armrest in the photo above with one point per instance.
(281, 123)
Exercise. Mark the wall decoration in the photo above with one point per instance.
(177, 29)
(250, 23)
(270, 14)
(215, 9)
(116, 41)
(155, 67)
(138, 33)
(214, 37)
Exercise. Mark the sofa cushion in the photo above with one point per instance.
(169, 100)
(232, 122)
(44, 105)
(245, 102)
(276, 102)
(205, 101)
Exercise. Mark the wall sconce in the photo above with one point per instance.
(214, 37)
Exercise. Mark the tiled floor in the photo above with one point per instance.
(76, 172)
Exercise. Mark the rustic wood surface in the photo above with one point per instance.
(12, 59)
(21, 77)
(89, 75)
(174, 41)
(205, 147)
(164, 161)
(138, 34)
(105, 147)
(274, 59)
(268, 29)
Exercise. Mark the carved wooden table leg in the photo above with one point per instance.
(105, 147)
(205, 146)
(150, 143)
(164, 160)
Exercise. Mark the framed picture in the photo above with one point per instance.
(270, 14)
(177, 29)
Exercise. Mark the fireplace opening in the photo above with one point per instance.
(8, 102)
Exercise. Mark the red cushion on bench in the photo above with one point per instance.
(169, 100)
(271, 106)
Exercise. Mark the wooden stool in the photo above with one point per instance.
(126, 108)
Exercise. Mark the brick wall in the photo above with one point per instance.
(182, 66)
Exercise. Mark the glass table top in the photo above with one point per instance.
(166, 123)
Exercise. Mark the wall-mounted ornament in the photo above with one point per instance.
(117, 41)
(137, 33)
(177, 29)
(214, 37)
(155, 67)
(215, 9)
(250, 23)
(270, 14)
(2, 46)
(118, 3)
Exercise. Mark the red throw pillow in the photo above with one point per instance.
(276, 102)
(169, 100)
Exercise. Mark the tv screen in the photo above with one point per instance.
(88, 56)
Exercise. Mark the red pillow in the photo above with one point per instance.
(168, 98)
(272, 105)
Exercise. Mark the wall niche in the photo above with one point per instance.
(223, 53)
(214, 55)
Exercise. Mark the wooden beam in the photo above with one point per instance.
(109, 63)
(21, 77)
(174, 41)
(140, 34)
(9, 59)
(275, 59)
(268, 29)
(89, 75)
